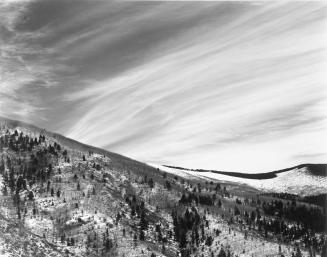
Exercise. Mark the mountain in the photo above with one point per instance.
(60, 197)
(303, 180)
(116, 159)
(313, 169)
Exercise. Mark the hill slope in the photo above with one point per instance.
(313, 169)
(59, 197)
(116, 159)
(303, 180)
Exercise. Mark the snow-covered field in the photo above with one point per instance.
(296, 181)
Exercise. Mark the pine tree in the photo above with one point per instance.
(142, 235)
(151, 183)
(143, 221)
(222, 253)
(30, 196)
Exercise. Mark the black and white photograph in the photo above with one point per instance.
(153, 128)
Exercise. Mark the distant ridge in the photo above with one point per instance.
(314, 169)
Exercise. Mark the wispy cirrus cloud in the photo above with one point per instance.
(224, 85)
(16, 72)
(27, 70)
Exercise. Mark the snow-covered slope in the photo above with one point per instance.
(295, 181)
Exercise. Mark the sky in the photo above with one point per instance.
(237, 86)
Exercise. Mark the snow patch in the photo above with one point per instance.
(295, 181)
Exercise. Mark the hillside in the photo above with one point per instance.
(116, 159)
(313, 169)
(303, 180)
(63, 198)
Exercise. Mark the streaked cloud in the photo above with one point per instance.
(224, 85)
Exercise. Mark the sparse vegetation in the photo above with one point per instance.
(78, 201)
